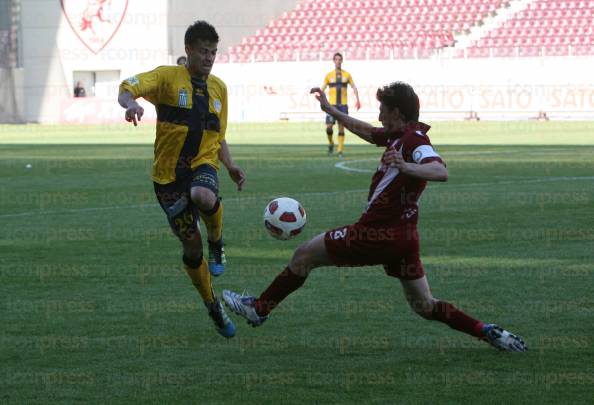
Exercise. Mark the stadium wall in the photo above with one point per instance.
(448, 88)
(56, 52)
(12, 106)
(496, 89)
(126, 37)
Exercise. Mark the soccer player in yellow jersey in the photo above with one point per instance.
(191, 109)
(338, 80)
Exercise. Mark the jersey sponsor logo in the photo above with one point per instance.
(182, 98)
(218, 106)
(132, 81)
(94, 22)
(199, 92)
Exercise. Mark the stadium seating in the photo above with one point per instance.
(384, 29)
(544, 28)
(363, 29)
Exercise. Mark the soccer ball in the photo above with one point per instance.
(284, 218)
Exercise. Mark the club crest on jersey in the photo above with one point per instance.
(217, 105)
(182, 98)
(132, 81)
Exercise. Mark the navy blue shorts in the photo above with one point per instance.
(175, 200)
(330, 120)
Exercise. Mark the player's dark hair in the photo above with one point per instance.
(402, 96)
(337, 54)
(200, 30)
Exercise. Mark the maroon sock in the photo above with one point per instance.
(456, 319)
(283, 285)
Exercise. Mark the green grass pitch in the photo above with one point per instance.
(96, 309)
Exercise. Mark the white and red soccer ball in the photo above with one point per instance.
(284, 218)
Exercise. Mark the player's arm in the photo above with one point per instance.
(360, 128)
(142, 85)
(235, 172)
(358, 102)
(134, 111)
(431, 169)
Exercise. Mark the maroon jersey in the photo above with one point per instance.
(393, 196)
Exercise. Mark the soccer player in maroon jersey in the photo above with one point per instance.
(386, 233)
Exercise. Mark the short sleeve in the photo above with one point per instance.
(143, 85)
(351, 82)
(326, 81)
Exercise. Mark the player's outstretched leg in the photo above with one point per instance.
(244, 305)
(200, 276)
(504, 340)
(308, 256)
(256, 310)
(420, 299)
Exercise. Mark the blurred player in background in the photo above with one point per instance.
(338, 80)
(386, 233)
(191, 109)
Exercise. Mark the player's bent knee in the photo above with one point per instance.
(302, 262)
(329, 130)
(193, 248)
(204, 198)
(300, 256)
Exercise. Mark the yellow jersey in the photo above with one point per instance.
(191, 119)
(338, 82)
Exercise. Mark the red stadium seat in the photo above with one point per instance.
(478, 52)
(504, 52)
(416, 28)
(529, 51)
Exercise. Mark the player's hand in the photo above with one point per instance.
(321, 97)
(393, 158)
(237, 175)
(134, 113)
(358, 105)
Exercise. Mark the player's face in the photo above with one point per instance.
(337, 62)
(390, 119)
(201, 57)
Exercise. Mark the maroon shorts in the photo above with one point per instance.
(396, 248)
